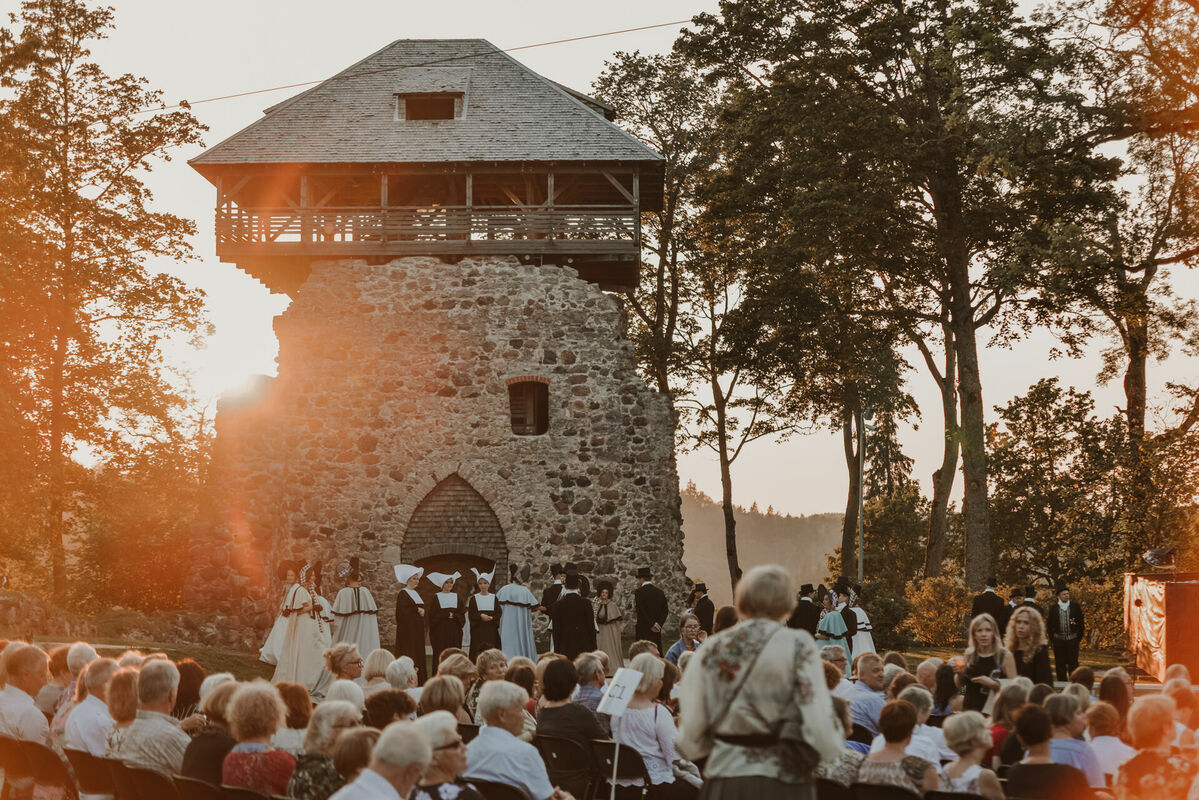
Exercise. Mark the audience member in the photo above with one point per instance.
(900, 682)
(866, 699)
(388, 706)
(89, 723)
(892, 657)
(591, 673)
(1040, 693)
(26, 671)
(726, 617)
(441, 780)
(1003, 715)
(122, 706)
(401, 674)
(496, 754)
(347, 690)
(400, 757)
(1179, 690)
(1067, 746)
(344, 662)
(204, 758)
(526, 678)
(691, 636)
(844, 769)
(48, 697)
(316, 776)
(562, 719)
(649, 729)
(1103, 728)
(352, 751)
(444, 693)
(156, 740)
(1084, 677)
(211, 682)
(926, 673)
(1176, 671)
(834, 654)
(927, 742)
(490, 665)
(1157, 771)
(255, 713)
(892, 765)
(1114, 690)
(1082, 698)
(1038, 777)
(968, 736)
(298, 703)
(642, 646)
(374, 672)
(947, 697)
(191, 676)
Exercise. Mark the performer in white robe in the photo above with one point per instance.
(301, 657)
(516, 621)
(274, 640)
(355, 615)
(862, 641)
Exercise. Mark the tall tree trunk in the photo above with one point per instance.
(726, 498)
(943, 477)
(973, 440)
(849, 525)
(1140, 483)
(56, 480)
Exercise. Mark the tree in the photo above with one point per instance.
(953, 116)
(91, 317)
(661, 100)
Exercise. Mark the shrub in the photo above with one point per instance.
(938, 610)
(1102, 603)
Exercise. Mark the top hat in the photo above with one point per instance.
(643, 572)
(807, 589)
(1060, 587)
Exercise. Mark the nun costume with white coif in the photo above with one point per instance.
(411, 618)
(446, 615)
(516, 623)
(484, 613)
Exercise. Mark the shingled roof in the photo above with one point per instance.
(510, 114)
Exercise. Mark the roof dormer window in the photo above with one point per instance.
(429, 105)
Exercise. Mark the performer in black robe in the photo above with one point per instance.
(411, 618)
(989, 602)
(574, 623)
(806, 616)
(847, 612)
(650, 604)
(584, 584)
(445, 615)
(554, 589)
(484, 613)
(704, 609)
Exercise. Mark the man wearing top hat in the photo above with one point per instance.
(806, 615)
(1030, 600)
(1066, 628)
(550, 595)
(703, 607)
(649, 602)
(988, 602)
(573, 621)
(584, 584)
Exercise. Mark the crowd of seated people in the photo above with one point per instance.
(727, 721)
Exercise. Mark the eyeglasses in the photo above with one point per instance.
(452, 745)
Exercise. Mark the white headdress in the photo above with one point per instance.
(484, 576)
(404, 572)
(440, 578)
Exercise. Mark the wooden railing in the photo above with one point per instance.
(384, 226)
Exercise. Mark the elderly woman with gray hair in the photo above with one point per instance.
(755, 702)
(648, 727)
(315, 776)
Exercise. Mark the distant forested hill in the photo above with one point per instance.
(798, 543)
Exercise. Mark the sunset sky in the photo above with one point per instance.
(220, 47)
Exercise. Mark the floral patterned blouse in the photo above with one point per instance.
(1155, 775)
(315, 778)
(906, 773)
(458, 790)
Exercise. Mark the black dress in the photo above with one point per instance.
(445, 626)
(410, 632)
(1037, 670)
(205, 754)
(976, 695)
(484, 634)
(574, 625)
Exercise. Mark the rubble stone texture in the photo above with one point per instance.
(387, 435)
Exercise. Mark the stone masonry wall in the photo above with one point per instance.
(393, 379)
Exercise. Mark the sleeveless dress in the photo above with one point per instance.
(967, 782)
(976, 695)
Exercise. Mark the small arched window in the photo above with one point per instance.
(529, 405)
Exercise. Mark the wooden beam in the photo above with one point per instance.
(637, 206)
(305, 233)
(383, 190)
(620, 186)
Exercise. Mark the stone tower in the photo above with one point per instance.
(455, 387)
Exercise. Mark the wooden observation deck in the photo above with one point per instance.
(401, 156)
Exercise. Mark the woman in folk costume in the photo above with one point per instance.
(516, 620)
(304, 643)
(412, 618)
(608, 621)
(863, 641)
(355, 615)
(833, 628)
(445, 617)
(484, 612)
(274, 640)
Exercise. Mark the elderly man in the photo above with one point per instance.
(691, 637)
(497, 755)
(591, 680)
(89, 723)
(26, 671)
(835, 655)
(155, 740)
(400, 757)
(866, 701)
(926, 673)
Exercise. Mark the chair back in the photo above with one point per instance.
(122, 779)
(12, 761)
(936, 720)
(90, 773)
(831, 790)
(861, 734)
(242, 793)
(497, 791)
(46, 766)
(153, 784)
(467, 732)
(882, 791)
(196, 789)
(628, 765)
(569, 764)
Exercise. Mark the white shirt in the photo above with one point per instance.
(88, 726)
(497, 755)
(1111, 752)
(921, 745)
(843, 688)
(20, 717)
(369, 785)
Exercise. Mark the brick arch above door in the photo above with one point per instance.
(454, 518)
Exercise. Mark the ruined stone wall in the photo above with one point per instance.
(393, 380)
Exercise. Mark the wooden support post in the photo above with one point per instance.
(470, 202)
(305, 223)
(383, 207)
(549, 201)
(637, 206)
